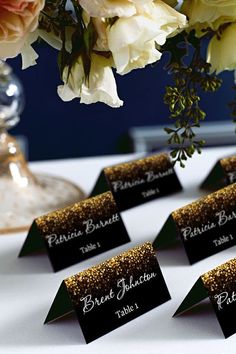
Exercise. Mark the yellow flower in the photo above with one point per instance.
(100, 86)
(111, 8)
(132, 40)
(221, 53)
(212, 14)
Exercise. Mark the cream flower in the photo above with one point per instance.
(101, 29)
(168, 19)
(100, 86)
(209, 13)
(54, 39)
(111, 8)
(28, 54)
(221, 53)
(132, 40)
(18, 18)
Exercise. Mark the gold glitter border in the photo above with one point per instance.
(221, 278)
(136, 169)
(203, 210)
(63, 220)
(229, 164)
(102, 277)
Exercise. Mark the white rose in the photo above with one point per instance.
(209, 13)
(100, 86)
(101, 29)
(168, 19)
(132, 40)
(28, 54)
(54, 39)
(221, 53)
(73, 81)
(110, 8)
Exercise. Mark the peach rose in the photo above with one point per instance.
(18, 18)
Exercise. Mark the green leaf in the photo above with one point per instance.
(169, 130)
(173, 153)
(90, 37)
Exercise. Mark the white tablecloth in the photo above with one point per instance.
(28, 285)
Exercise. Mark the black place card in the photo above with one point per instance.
(77, 232)
(136, 182)
(205, 227)
(219, 285)
(112, 293)
(222, 174)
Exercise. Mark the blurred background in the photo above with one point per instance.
(52, 129)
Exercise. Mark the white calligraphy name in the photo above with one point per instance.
(225, 299)
(232, 176)
(89, 227)
(125, 287)
(149, 177)
(55, 239)
(222, 219)
(122, 288)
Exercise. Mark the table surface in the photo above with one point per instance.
(28, 285)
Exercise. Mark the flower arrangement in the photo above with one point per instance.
(94, 38)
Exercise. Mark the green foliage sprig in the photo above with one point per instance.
(57, 19)
(183, 98)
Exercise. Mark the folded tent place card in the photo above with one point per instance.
(77, 232)
(136, 182)
(219, 285)
(206, 226)
(112, 293)
(222, 174)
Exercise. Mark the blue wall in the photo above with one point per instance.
(58, 130)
